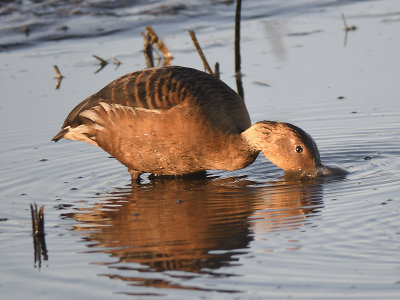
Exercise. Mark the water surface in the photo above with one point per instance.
(247, 234)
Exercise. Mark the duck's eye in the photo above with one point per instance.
(299, 149)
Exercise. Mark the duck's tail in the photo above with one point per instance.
(60, 135)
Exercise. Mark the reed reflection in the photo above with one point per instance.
(196, 226)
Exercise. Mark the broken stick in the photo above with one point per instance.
(202, 56)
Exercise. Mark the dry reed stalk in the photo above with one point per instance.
(238, 74)
(202, 56)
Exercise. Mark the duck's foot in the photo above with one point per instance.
(135, 176)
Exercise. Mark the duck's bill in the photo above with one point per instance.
(318, 172)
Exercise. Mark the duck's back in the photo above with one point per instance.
(166, 121)
(164, 88)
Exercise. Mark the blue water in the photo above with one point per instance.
(247, 234)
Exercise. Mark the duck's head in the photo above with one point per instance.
(285, 145)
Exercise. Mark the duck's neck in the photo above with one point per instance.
(254, 136)
(234, 153)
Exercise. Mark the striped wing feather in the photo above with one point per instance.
(164, 88)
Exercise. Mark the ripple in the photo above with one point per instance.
(248, 231)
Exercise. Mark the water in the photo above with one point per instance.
(247, 234)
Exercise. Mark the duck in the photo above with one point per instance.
(179, 121)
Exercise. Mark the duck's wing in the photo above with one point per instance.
(163, 88)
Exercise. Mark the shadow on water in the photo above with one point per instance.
(193, 226)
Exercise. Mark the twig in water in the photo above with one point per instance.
(151, 38)
(216, 70)
(103, 63)
(347, 28)
(148, 51)
(39, 242)
(117, 62)
(202, 56)
(154, 39)
(27, 30)
(238, 73)
(59, 76)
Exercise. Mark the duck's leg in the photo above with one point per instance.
(135, 175)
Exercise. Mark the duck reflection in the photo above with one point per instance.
(196, 225)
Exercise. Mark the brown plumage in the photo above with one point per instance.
(176, 121)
